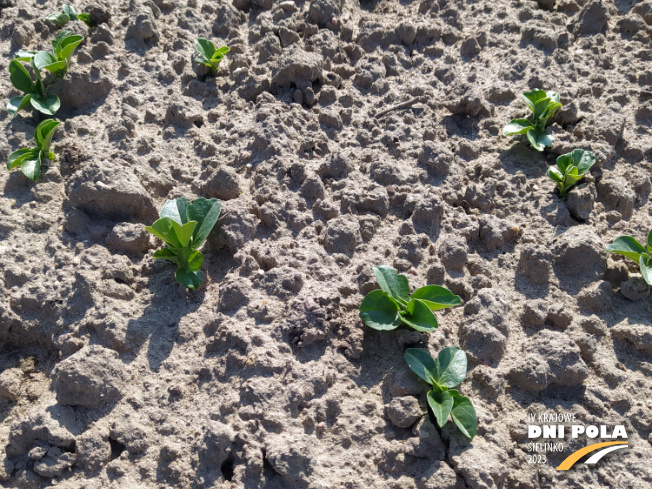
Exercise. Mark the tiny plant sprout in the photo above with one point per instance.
(543, 106)
(58, 61)
(208, 55)
(386, 308)
(184, 227)
(443, 373)
(34, 91)
(570, 168)
(629, 247)
(30, 159)
(68, 13)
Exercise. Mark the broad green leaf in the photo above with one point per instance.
(379, 311)
(450, 366)
(205, 47)
(86, 19)
(195, 261)
(645, 266)
(48, 105)
(24, 55)
(176, 210)
(16, 158)
(555, 174)
(540, 108)
(59, 19)
(20, 77)
(583, 160)
(437, 297)
(627, 246)
(533, 96)
(67, 47)
(517, 126)
(18, 103)
(220, 53)
(70, 11)
(441, 403)
(649, 242)
(422, 364)
(31, 167)
(463, 414)
(564, 161)
(59, 68)
(43, 59)
(539, 140)
(550, 111)
(166, 254)
(184, 232)
(189, 279)
(419, 316)
(44, 133)
(393, 283)
(163, 229)
(204, 62)
(206, 213)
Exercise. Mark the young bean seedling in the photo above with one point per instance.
(571, 167)
(543, 106)
(444, 373)
(629, 247)
(58, 61)
(68, 13)
(184, 227)
(35, 94)
(30, 159)
(386, 308)
(208, 55)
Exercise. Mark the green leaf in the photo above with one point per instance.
(20, 77)
(166, 254)
(48, 105)
(517, 126)
(533, 96)
(649, 242)
(69, 10)
(555, 174)
(206, 213)
(450, 367)
(67, 47)
(441, 403)
(17, 157)
(419, 316)
(43, 59)
(18, 103)
(540, 108)
(44, 133)
(176, 210)
(394, 284)
(31, 167)
(59, 19)
(184, 232)
(583, 160)
(195, 261)
(550, 111)
(164, 229)
(437, 297)
(422, 364)
(189, 279)
(627, 246)
(564, 161)
(463, 414)
(86, 19)
(645, 266)
(205, 48)
(220, 53)
(379, 311)
(24, 55)
(539, 140)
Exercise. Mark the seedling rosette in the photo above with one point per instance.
(68, 13)
(58, 61)
(543, 106)
(386, 308)
(184, 227)
(631, 248)
(30, 159)
(209, 55)
(35, 95)
(571, 167)
(443, 373)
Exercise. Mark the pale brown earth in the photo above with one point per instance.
(113, 376)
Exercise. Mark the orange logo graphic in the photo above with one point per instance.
(607, 447)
